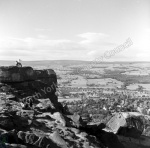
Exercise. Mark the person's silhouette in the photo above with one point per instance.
(18, 63)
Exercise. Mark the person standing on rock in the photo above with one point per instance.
(18, 63)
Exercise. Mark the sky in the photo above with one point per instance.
(74, 29)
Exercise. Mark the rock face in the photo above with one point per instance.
(16, 74)
(32, 117)
(26, 82)
(22, 74)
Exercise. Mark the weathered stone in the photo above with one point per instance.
(76, 120)
(46, 105)
(35, 140)
(127, 124)
(46, 75)
(16, 74)
(57, 139)
(59, 117)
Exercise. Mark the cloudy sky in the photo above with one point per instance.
(74, 29)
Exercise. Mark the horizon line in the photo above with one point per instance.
(70, 60)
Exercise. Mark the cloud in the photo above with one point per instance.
(39, 49)
(44, 48)
(93, 52)
(95, 43)
(32, 43)
(92, 37)
(95, 40)
(90, 46)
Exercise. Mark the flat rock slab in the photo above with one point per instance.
(12, 74)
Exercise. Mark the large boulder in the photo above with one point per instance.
(12, 74)
(128, 124)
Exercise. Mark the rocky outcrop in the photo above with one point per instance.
(13, 74)
(28, 84)
(31, 116)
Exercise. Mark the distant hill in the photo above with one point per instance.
(62, 62)
(44, 62)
